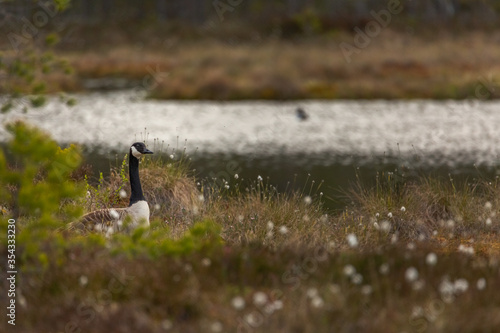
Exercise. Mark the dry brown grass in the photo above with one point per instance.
(394, 65)
(305, 278)
(224, 267)
(262, 215)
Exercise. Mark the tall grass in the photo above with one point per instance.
(419, 256)
(439, 67)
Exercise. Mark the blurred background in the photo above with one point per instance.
(286, 14)
(293, 91)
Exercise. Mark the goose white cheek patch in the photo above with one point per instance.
(135, 152)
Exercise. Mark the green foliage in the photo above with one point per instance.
(201, 237)
(107, 192)
(37, 183)
(62, 4)
(28, 62)
(37, 101)
(51, 39)
(308, 21)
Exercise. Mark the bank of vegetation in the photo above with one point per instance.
(244, 256)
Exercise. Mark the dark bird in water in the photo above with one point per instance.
(122, 219)
(301, 114)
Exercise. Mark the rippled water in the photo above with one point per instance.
(447, 132)
(267, 137)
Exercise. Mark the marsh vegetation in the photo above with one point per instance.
(242, 256)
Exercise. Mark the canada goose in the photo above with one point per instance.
(122, 219)
(301, 114)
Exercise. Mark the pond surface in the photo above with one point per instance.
(253, 138)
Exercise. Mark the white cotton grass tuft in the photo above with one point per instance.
(21, 299)
(385, 226)
(259, 298)
(466, 249)
(238, 303)
(446, 290)
(283, 230)
(431, 259)
(216, 327)
(411, 274)
(83, 280)
(366, 290)
(307, 200)
(206, 262)
(349, 270)
(352, 240)
(481, 284)
(123, 194)
(389, 215)
(236, 176)
(449, 289)
(317, 302)
(394, 239)
(277, 305)
(357, 278)
(259, 178)
(114, 214)
(110, 231)
(253, 319)
(461, 285)
(488, 205)
(167, 324)
(384, 269)
(312, 292)
(403, 209)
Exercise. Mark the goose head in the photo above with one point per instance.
(138, 149)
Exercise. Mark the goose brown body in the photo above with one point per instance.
(121, 219)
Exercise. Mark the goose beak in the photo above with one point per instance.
(147, 151)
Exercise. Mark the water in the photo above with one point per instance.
(338, 140)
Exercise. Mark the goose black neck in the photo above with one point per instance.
(135, 182)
